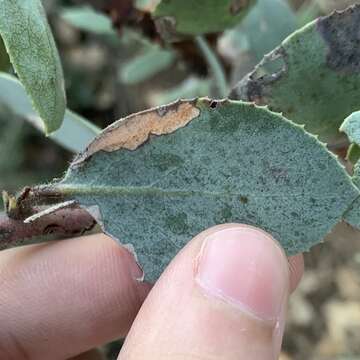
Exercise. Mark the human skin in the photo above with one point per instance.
(224, 296)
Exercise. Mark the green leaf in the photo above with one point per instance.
(313, 77)
(353, 153)
(178, 17)
(32, 50)
(146, 65)
(87, 19)
(75, 132)
(266, 25)
(157, 178)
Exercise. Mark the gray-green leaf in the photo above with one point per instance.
(157, 178)
(32, 50)
(313, 77)
(351, 127)
(178, 17)
(74, 134)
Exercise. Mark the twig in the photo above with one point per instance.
(215, 66)
(63, 223)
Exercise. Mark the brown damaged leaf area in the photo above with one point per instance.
(166, 26)
(256, 86)
(341, 32)
(131, 132)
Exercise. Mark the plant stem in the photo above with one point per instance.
(61, 224)
(214, 65)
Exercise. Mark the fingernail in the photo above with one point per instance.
(245, 267)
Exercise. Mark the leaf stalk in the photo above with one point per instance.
(215, 66)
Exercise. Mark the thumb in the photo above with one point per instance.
(223, 297)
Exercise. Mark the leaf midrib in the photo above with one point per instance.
(76, 189)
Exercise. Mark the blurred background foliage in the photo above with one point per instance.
(112, 70)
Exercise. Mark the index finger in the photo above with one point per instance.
(62, 298)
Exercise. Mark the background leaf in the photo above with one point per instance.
(11, 140)
(210, 163)
(178, 17)
(313, 77)
(146, 65)
(88, 19)
(268, 23)
(308, 11)
(190, 88)
(75, 133)
(30, 44)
